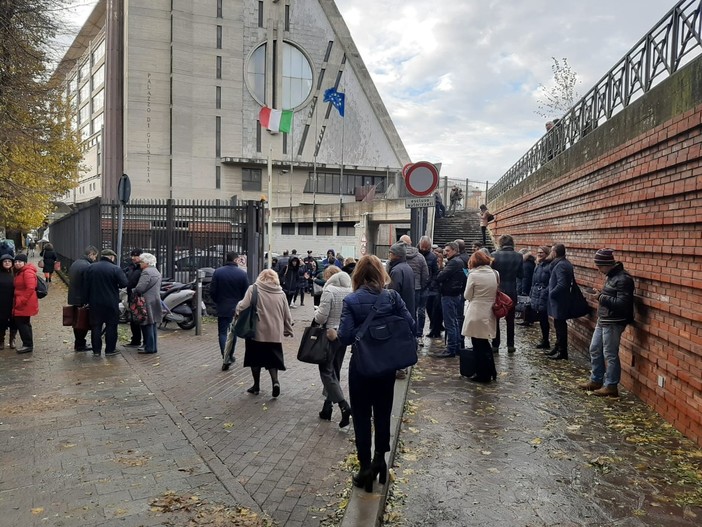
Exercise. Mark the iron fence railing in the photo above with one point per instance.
(183, 235)
(671, 44)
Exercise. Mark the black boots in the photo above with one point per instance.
(326, 412)
(366, 476)
(543, 345)
(558, 353)
(345, 414)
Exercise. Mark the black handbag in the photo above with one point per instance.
(384, 344)
(245, 323)
(314, 346)
(578, 305)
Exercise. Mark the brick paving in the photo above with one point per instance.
(93, 441)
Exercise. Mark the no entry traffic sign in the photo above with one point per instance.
(421, 178)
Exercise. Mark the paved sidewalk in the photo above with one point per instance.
(98, 441)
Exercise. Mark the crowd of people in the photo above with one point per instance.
(452, 288)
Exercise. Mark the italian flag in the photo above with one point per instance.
(276, 120)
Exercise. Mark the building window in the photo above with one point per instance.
(305, 229)
(258, 136)
(297, 76)
(219, 8)
(251, 179)
(287, 17)
(288, 228)
(84, 93)
(218, 98)
(219, 37)
(218, 177)
(260, 14)
(84, 71)
(99, 101)
(285, 143)
(98, 52)
(97, 123)
(84, 114)
(219, 67)
(346, 228)
(218, 136)
(329, 183)
(99, 77)
(325, 229)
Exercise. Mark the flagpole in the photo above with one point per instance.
(292, 154)
(314, 167)
(270, 207)
(341, 182)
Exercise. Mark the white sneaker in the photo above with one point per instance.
(420, 342)
(293, 306)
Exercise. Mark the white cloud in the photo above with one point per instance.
(460, 78)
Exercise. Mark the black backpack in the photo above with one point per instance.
(42, 289)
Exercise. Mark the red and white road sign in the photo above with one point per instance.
(421, 178)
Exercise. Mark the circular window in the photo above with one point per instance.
(297, 76)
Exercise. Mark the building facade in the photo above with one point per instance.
(169, 92)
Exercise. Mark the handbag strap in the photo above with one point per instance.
(374, 310)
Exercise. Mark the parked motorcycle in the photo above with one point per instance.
(178, 303)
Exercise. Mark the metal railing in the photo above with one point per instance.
(672, 43)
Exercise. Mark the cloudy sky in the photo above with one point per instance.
(461, 78)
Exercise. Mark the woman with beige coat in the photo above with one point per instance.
(274, 322)
(480, 323)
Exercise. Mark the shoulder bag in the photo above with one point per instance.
(315, 347)
(384, 344)
(503, 303)
(137, 307)
(245, 323)
(578, 304)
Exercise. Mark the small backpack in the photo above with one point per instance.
(42, 289)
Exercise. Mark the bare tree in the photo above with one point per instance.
(562, 94)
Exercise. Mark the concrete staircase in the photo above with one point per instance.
(464, 225)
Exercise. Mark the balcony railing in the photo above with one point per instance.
(671, 44)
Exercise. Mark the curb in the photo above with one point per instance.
(366, 509)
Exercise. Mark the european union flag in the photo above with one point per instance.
(336, 98)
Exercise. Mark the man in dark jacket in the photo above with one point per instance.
(431, 287)
(133, 272)
(103, 280)
(401, 275)
(76, 276)
(228, 287)
(508, 263)
(559, 299)
(615, 311)
(420, 270)
(452, 283)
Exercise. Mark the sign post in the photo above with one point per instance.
(124, 192)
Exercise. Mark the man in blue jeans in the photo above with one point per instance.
(452, 283)
(615, 311)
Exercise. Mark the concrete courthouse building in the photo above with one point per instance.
(169, 92)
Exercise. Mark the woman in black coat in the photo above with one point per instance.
(539, 294)
(7, 295)
(559, 285)
(49, 260)
(371, 397)
(291, 279)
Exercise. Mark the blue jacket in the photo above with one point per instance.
(358, 304)
(227, 288)
(559, 288)
(539, 287)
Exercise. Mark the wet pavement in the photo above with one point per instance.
(532, 450)
(170, 439)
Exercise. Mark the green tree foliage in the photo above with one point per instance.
(561, 94)
(39, 151)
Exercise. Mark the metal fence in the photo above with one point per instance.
(671, 44)
(183, 235)
(473, 192)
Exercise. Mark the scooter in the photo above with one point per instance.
(178, 306)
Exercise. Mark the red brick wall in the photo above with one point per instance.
(642, 198)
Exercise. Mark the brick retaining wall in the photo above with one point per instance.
(635, 185)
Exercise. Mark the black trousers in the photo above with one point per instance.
(561, 326)
(80, 338)
(436, 316)
(542, 317)
(107, 317)
(509, 320)
(24, 328)
(371, 398)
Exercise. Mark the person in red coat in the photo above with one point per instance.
(26, 301)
